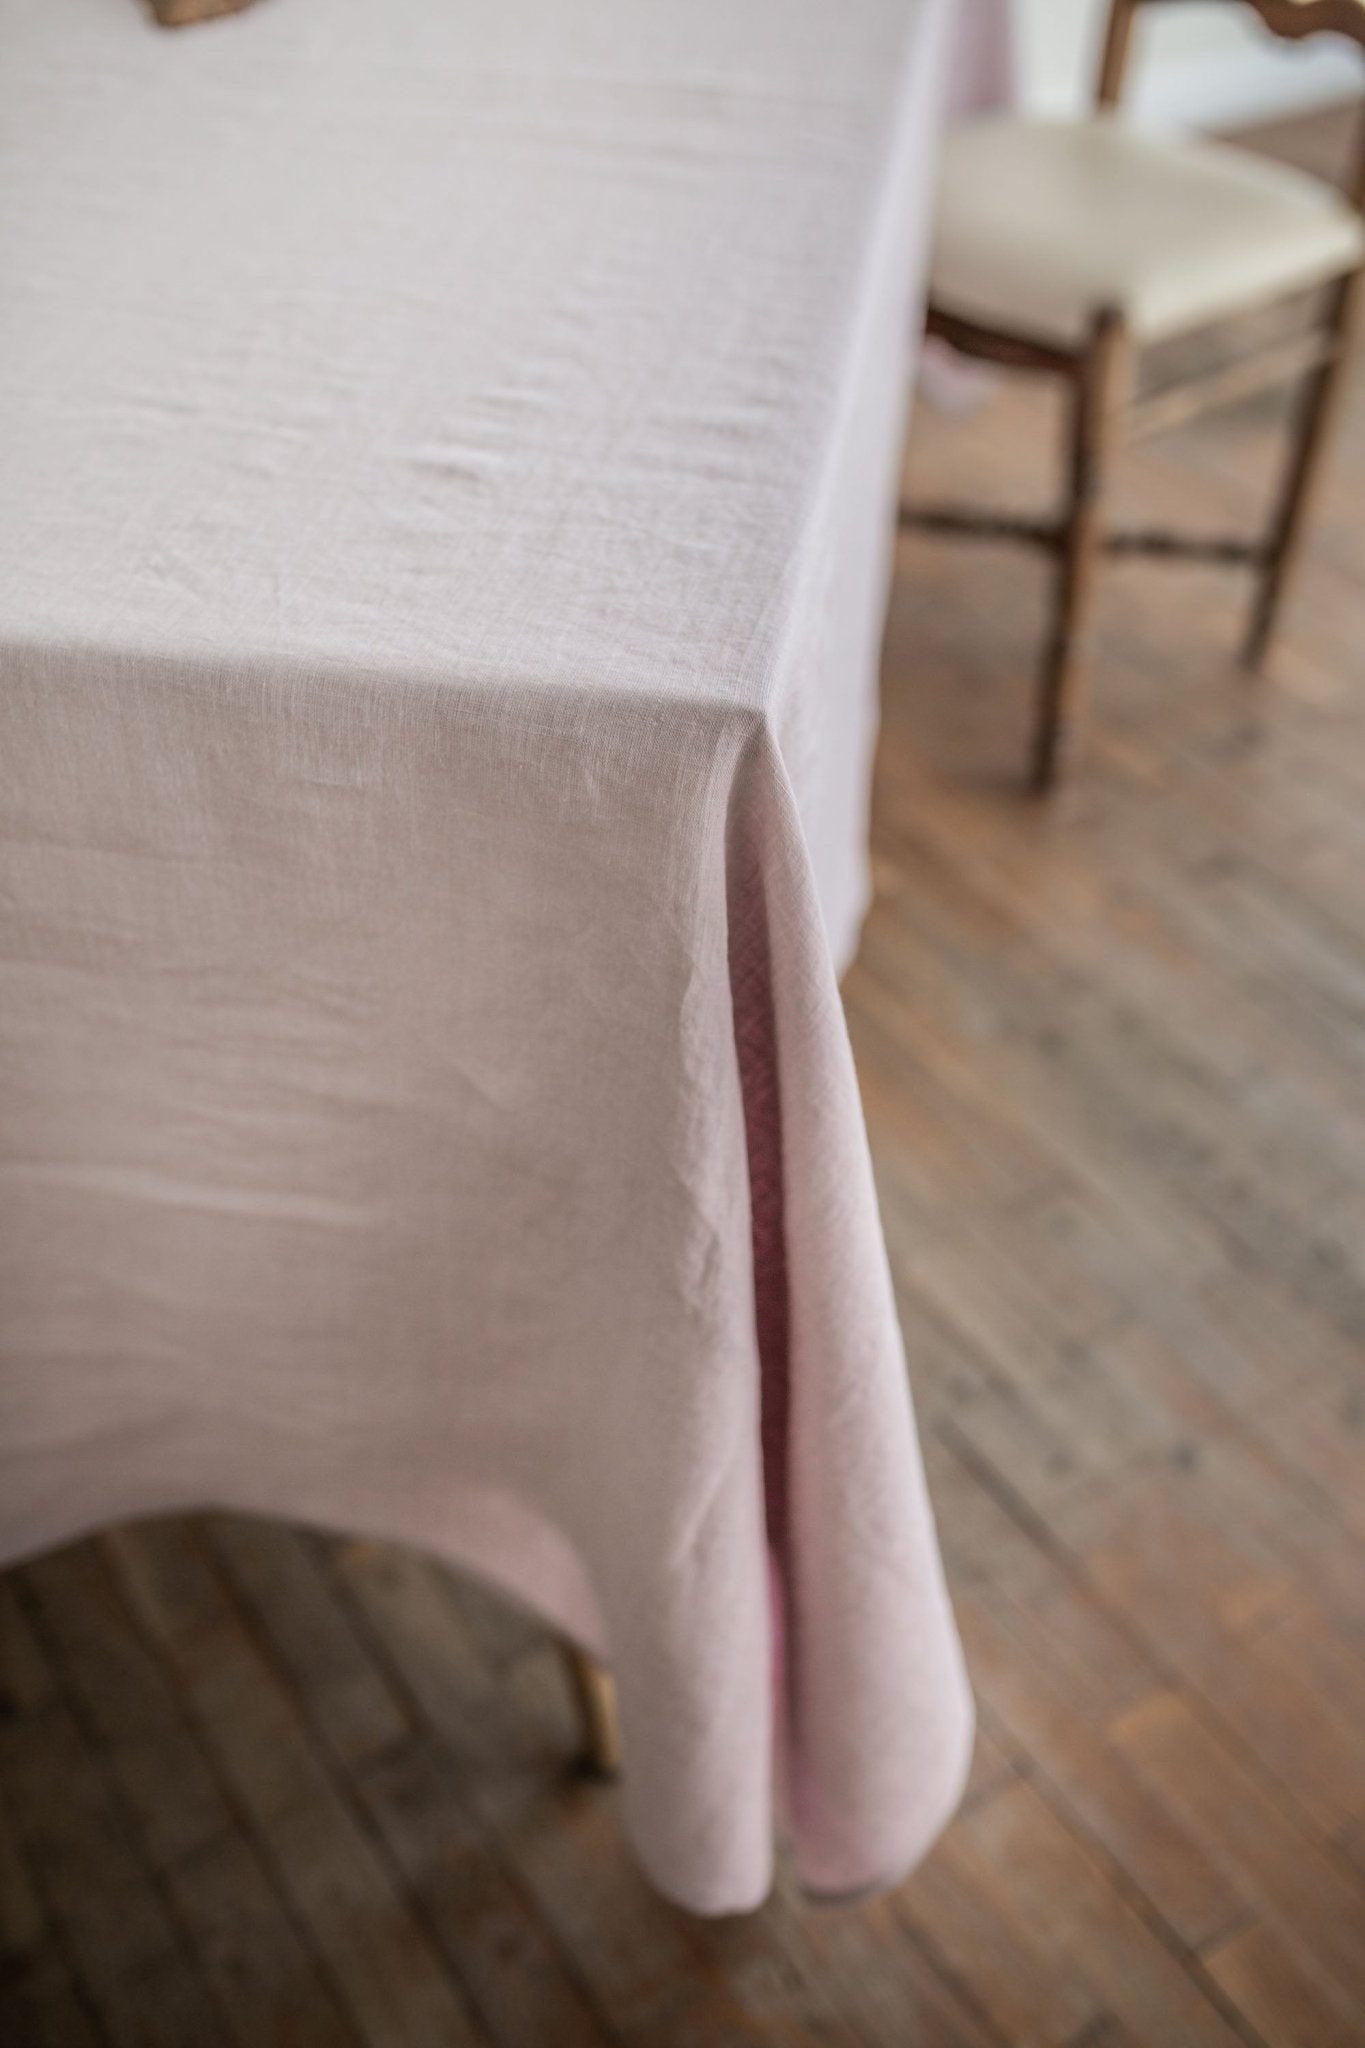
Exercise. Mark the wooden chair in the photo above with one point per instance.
(1063, 246)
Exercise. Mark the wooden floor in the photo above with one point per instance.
(266, 1789)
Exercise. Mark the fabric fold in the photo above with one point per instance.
(874, 1710)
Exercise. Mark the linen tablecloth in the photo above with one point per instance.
(448, 460)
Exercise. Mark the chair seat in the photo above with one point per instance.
(1044, 224)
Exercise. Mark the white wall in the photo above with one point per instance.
(1198, 65)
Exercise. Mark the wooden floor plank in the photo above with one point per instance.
(143, 1987)
(1092, 1782)
(271, 1982)
(1078, 1926)
(348, 1698)
(407, 1785)
(968, 1917)
(1221, 1589)
(1297, 1887)
(518, 1980)
(1280, 1994)
(395, 1984)
(267, 1979)
(130, 1705)
(40, 2006)
(878, 1978)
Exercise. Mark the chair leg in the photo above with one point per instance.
(1061, 685)
(1290, 519)
(594, 1698)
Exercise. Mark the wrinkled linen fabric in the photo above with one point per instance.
(448, 464)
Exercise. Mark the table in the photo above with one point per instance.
(450, 455)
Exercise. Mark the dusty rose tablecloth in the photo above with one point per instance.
(448, 455)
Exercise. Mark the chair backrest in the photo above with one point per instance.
(1289, 18)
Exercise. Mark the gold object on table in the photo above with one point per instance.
(180, 13)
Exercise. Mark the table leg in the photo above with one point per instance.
(594, 1697)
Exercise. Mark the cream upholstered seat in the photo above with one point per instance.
(1044, 224)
